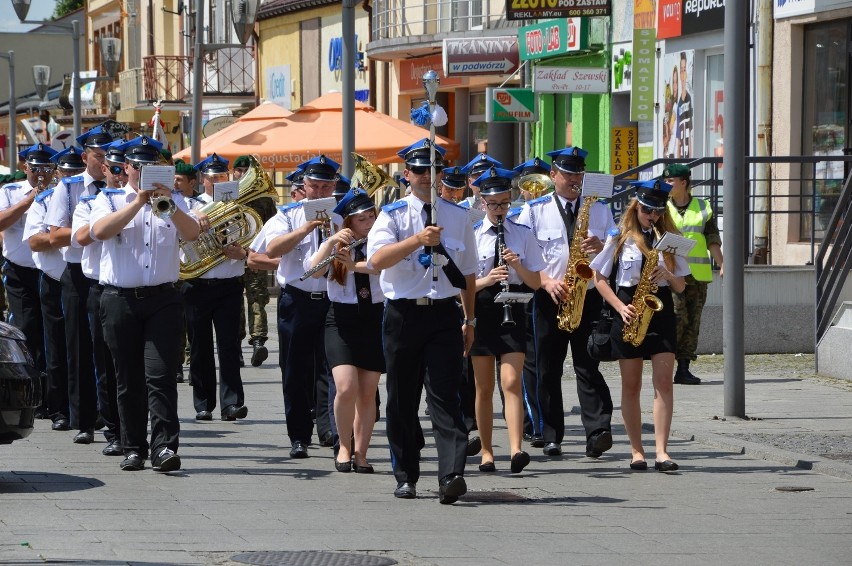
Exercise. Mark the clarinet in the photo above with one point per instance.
(508, 321)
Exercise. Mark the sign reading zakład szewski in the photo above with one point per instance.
(541, 9)
(571, 79)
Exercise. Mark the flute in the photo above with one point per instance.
(321, 265)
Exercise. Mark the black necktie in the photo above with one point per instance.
(98, 186)
(362, 283)
(451, 270)
(649, 239)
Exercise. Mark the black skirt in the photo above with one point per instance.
(662, 331)
(355, 338)
(491, 338)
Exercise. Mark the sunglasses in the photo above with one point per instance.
(45, 169)
(116, 170)
(648, 210)
(419, 170)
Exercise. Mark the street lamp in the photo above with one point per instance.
(13, 113)
(41, 79)
(244, 15)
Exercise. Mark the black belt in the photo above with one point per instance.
(424, 301)
(139, 292)
(213, 282)
(313, 295)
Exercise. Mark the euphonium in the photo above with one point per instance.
(231, 223)
(645, 302)
(368, 176)
(536, 184)
(578, 273)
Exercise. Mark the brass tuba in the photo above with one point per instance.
(578, 274)
(368, 176)
(536, 184)
(231, 223)
(645, 302)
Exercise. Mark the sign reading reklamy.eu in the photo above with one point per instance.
(642, 91)
(510, 105)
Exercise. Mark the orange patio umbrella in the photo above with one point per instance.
(317, 128)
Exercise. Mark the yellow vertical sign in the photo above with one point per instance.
(625, 149)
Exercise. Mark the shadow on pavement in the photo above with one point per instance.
(47, 482)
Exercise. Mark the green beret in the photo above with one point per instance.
(184, 168)
(19, 175)
(676, 170)
(4, 179)
(166, 154)
(241, 161)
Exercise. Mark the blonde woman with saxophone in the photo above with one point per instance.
(642, 224)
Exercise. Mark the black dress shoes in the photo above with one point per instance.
(299, 450)
(113, 449)
(536, 441)
(598, 443)
(260, 352)
(487, 467)
(552, 449)
(520, 460)
(327, 439)
(344, 467)
(451, 488)
(61, 424)
(204, 416)
(132, 462)
(665, 466)
(368, 469)
(234, 412)
(474, 445)
(405, 490)
(84, 437)
(166, 461)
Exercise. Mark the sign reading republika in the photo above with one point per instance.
(481, 56)
(542, 9)
(510, 105)
(553, 37)
(579, 80)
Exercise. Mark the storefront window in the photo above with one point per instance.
(478, 131)
(825, 107)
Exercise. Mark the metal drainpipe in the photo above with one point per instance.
(764, 131)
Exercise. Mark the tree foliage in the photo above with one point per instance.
(65, 7)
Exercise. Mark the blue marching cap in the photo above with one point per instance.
(494, 181)
(571, 159)
(212, 165)
(531, 167)
(38, 154)
(297, 177)
(69, 159)
(454, 177)
(482, 162)
(320, 168)
(341, 187)
(653, 193)
(142, 150)
(354, 202)
(419, 154)
(114, 152)
(95, 137)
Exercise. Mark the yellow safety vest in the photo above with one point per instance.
(691, 225)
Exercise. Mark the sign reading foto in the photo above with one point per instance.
(510, 105)
(553, 37)
(580, 80)
(541, 9)
(481, 56)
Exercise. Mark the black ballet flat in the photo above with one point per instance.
(344, 467)
(666, 466)
(487, 467)
(639, 465)
(520, 460)
(368, 469)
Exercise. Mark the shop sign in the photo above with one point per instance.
(543, 9)
(553, 37)
(642, 89)
(788, 8)
(411, 73)
(669, 18)
(702, 15)
(625, 149)
(581, 80)
(510, 105)
(481, 56)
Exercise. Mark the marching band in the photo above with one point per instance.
(96, 278)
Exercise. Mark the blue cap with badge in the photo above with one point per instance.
(142, 150)
(494, 181)
(570, 160)
(297, 177)
(213, 165)
(341, 187)
(482, 162)
(534, 166)
(454, 177)
(320, 168)
(419, 154)
(38, 154)
(354, 202)
(115, 153)
(95, 137)
(653, 193)
(69, 159)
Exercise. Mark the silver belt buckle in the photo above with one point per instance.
(317, 295)
(423, 301)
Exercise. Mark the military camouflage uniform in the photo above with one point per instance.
(257, 293)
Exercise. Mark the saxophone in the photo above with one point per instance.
(578, 273)
(645, 302)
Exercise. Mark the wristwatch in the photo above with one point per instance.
(471, 322)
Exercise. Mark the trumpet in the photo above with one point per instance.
(164, 207)
(321, 265)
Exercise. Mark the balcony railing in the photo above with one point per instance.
(227, 71)
(395, 19)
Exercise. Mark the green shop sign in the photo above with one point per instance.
(510, 105)
(642, 88)
(553, 37)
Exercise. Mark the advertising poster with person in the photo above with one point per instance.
(678, 126)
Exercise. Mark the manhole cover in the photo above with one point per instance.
(310, 558)
(794, 488)
(492, 497)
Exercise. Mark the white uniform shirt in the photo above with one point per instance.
(408, 279)
(347, 293)
(60, 212)
(298, 260)
(90, 262)
(544, 219)
(145, 252)
(50, 261)
(630, 263)
(518, 238)
(15, 247)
